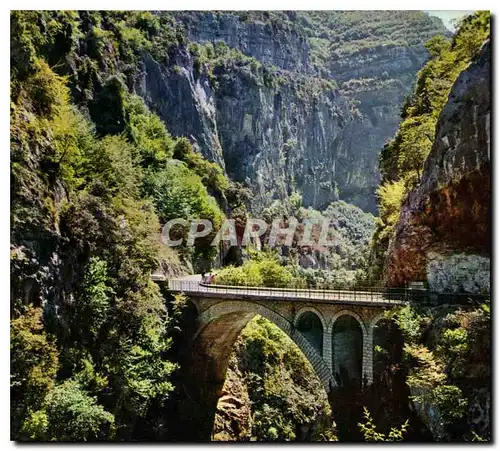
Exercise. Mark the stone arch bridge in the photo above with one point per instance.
(334, 330)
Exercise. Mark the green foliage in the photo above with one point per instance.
(350, 230)
(69, 414)
(450, 401)
(264, 271)
(429, 371)
(390, 197)
(222, 62)
(34, 363)
(464, 344)
(370, 433)
(178, 192)
(409, 322)
(346, 257)
(44, 92)
(94, 303)
(436, 45)
(148, 133)
(211, 174)
(477, 438)
(447, 355)
(78, 188)
(412, 143)
(113, 162)
(285, 393)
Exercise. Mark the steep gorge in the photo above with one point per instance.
(95, 173)
(435, 204)
(291, 111)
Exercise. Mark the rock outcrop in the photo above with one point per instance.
(233, 419)
(449, 212)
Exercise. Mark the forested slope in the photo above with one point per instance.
(91, 167)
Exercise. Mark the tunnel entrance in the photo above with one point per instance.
(311, 327)
(347, 341)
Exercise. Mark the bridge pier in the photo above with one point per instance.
(367, 363)
(327, 348)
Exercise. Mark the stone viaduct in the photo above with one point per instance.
(333, 329)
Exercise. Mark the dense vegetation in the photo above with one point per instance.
(342, 263)
(446, 357)
(447, 360)
(285, 398)
(94, 173)
(403, 157)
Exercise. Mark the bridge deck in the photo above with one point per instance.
(359, 297)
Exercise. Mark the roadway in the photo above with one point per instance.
(192, 286)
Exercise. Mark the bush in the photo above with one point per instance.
(370, 434)
(267, 272)
(69, 414)
(34, 364)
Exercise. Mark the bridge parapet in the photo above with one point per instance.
(368, 296)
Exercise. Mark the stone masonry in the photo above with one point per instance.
(286, 314)
(221, 316)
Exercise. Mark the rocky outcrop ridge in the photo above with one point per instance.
(267, 42)
(448, 213)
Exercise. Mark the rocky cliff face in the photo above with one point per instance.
(297, 131)
(268, 42)
(443, 231)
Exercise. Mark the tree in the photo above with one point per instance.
(436, 45)
(34, 364)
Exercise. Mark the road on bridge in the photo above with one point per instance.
(191, 285)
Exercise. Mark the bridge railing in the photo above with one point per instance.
(368, 294)
(362, 294)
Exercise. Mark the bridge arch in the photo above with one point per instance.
(349, 337)
(207, 359)
(310, 323)
(251, 309)
(375, 320)
(223, 311)
(387, 348)
(340, 313)
(311, 309)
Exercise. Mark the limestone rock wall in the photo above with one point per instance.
(270, 44)
(299, 135)
(233, 419)
(468, 273)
